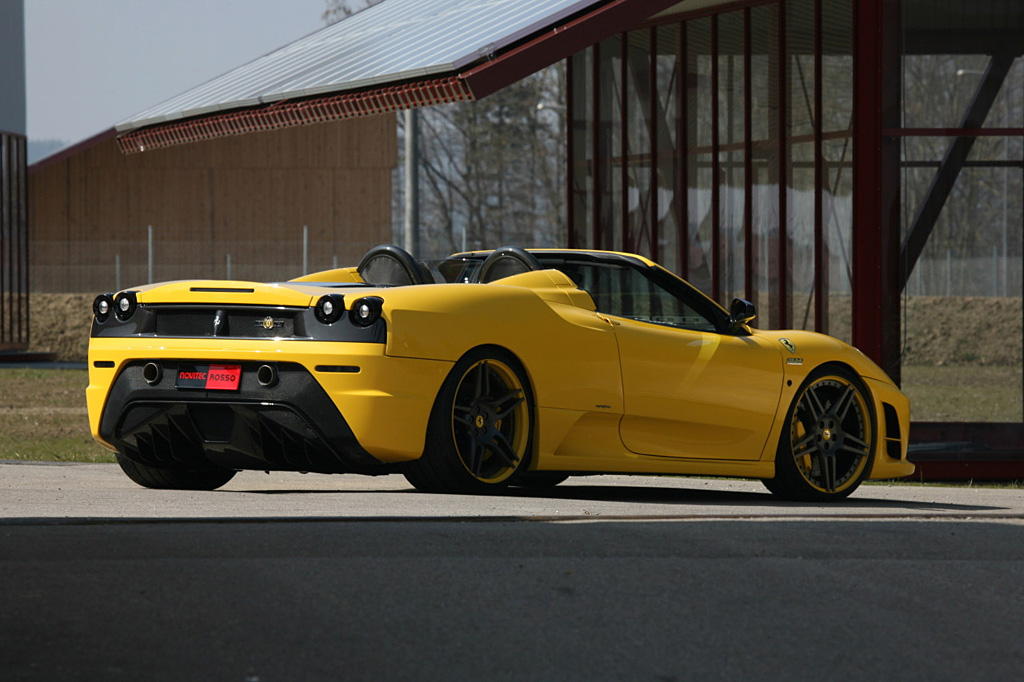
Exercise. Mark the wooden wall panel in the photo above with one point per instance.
(47, 200)
(251, 194)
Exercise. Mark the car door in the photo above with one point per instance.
(696, 394)
(691, 390)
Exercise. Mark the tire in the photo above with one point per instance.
(480, 429)
(828, 438)
(209, 478)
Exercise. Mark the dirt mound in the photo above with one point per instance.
(963, 330)
(59, 324)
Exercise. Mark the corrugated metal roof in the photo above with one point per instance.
(391, 42)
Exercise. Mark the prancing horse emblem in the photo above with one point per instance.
(788, 344)
(268, 322)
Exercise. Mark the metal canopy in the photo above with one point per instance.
(395, 55)
(393, 41)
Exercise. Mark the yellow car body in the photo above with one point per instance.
(606, 393)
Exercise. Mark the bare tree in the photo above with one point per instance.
(492, 172)
(339, 9)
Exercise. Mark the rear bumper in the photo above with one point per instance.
(292, 426)
(337, 407)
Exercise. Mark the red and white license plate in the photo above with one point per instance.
(209, 377)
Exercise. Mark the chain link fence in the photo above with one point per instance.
(97, 266)
(995, 275)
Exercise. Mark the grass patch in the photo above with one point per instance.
(56, 450)
(21, 388)
(43, 417)
(964, 393)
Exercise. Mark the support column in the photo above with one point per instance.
(876, 183)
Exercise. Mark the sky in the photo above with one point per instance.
(91, 64)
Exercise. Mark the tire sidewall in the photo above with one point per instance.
(442, 451)
(789, 482)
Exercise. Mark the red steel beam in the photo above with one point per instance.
(560, 42)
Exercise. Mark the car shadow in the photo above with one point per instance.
(666, 495)
(674, 495)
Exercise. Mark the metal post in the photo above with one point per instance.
(150, 254)
(1006, 195)
(995, 267)
(412, 185)
(117, 272)
(949, 272)
(305, 249)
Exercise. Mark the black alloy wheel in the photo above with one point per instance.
(828, 439)
(480, 427)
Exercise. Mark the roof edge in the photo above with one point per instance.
(588, 26)
(298, 112)
(67, 152)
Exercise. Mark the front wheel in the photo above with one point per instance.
(826, 444)
(206, 478)
(480, 427)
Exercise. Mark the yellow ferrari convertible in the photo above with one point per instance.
(484, 370)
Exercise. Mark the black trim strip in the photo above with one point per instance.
(221, 290)
(344, 369)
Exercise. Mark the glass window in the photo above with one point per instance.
(609, 140)
(731, 156)
(667, 84)
(962, 303)
(963, 213)
(764, 124)
(637, 197)
(647, 295)
(581, 131)
(800, 154)
(700, 221)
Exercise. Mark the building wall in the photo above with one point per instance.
(233, 207)
(721, 146)
(14, 309)
(854, 167)
(12, 67)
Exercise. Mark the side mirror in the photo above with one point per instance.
(741, 312)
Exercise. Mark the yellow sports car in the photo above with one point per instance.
(487, 369)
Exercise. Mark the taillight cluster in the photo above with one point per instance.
(363, 313)
(123, 306)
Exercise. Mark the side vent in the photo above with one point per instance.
(893, 432)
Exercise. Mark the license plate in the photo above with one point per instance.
(209, 377)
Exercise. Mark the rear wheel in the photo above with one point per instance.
(480, 427)
(825, 448)
(206, 478)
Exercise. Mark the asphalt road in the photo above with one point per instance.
(290, 577)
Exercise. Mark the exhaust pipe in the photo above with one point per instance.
(152, 373)
(266, 375)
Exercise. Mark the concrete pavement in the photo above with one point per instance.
(290, 577)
